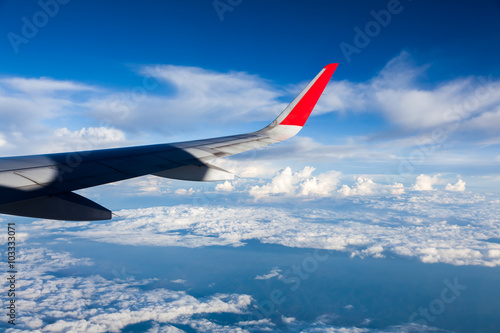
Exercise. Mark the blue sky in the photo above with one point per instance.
(280, 40)
(396, 168)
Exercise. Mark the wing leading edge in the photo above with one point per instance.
(41, 185)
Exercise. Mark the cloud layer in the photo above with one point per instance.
(94, 304)
(431, 226)
(52, 301)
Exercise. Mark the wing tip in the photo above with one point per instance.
(332, 66)
(302, 108)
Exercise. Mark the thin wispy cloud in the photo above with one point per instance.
(397, 93)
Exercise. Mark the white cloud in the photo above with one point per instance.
(301, 183)
(96, 304)
(32, 108)
(275, 272)
(250, 167)
(395, 92)
(142, 186)
(459, 186)
(343, 96)
(151, 185)
(90, 138)
(397, 189)
(92, 134)
(372, 251)
(366, 186)
(3, 142)
(183, 191)
(204, 325)
(324, 327)
(287, 320)
(164, 329)
(426, 183)
(43, 85)
(489, 120)
(415, 224)
(268, 160)
(225, 187)
(200, 94)
(261, 322)
(322, 185)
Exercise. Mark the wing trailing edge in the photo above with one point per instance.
(65, 206)
(199, 173)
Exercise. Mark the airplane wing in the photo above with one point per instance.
(42, 186)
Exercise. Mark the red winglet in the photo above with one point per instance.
(298, 116)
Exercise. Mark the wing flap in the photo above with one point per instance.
(131, 164)
(65, 206)
(202, 172)
(12, 180)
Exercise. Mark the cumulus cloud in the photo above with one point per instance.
(261, 322)
(459, 186)
(301, 183)
(183, 191)
(225, 187)
(366, 186)
(426, 183)
(322, 185)
(150, 185)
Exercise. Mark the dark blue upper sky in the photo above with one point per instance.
(91, 41)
